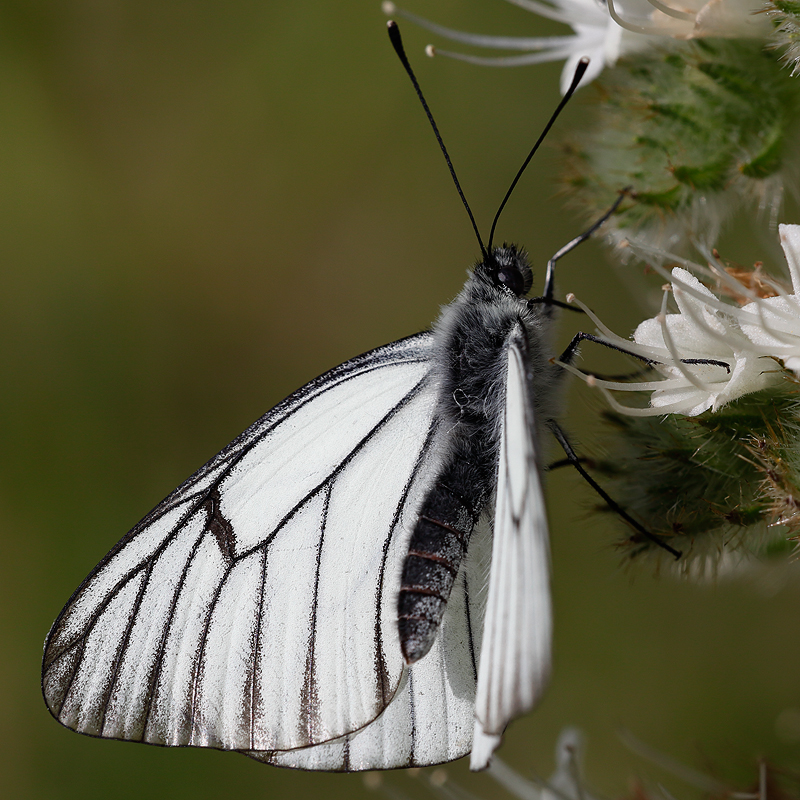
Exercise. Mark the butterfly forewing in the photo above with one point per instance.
(255, 608)
(515, 654)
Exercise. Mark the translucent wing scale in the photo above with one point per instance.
(254, 609)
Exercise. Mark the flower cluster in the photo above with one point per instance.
(602, 32)
(715, 420)
(786, 16)
(712, 352)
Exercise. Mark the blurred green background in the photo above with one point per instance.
(204, 205)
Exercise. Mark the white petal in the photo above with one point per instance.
(790, 242)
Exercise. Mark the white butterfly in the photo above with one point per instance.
(256, 608)
(316, 595)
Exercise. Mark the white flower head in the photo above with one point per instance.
(773, 323)
(602, 32)
(711, 352)
(705, 358)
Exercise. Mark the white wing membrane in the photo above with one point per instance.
(255, 608)
(515, 653)
(431, 718)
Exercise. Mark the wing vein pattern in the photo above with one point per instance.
(285, 549)
(515, 657)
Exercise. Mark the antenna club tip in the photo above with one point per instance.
(388, 8)
(585, 60)
(430, 51)
(570, 298)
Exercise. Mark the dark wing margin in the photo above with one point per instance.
(254, 608)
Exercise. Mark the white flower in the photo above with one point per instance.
(712, 352)
(603, 32)
(705, 358)
(773, 323)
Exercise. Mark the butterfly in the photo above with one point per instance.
(360, 580)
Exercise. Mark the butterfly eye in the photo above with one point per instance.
(511, 278)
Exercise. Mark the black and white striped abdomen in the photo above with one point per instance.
(438, 543)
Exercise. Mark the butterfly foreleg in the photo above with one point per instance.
(571, 349)
(576, 462)
(549, 283)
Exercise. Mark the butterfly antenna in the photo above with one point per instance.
(576, 79)
(397, 43)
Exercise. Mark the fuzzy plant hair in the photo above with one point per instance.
(717, 485)
(697, 130)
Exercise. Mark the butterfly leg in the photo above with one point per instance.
(549, 282)
(612, 504)
(572, 349)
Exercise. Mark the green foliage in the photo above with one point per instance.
(695, 130)
(722, 481)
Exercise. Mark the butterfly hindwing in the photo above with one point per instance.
(430, 720)
(255, 608)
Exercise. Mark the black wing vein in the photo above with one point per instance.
(123, 634)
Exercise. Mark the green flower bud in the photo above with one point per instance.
(717, 485)
(696, 129)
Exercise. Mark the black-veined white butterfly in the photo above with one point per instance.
(316, 596)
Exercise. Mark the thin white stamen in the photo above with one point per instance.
(673, 351)
(672, 12)
(736, 287)
(790, 337)
(541, 57)
(638, 386)
(711, 300)
(651, 30)
(482, 40)
(633, 347)
(691, 266)
(659, 411)
(551, 13)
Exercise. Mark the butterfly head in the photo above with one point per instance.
(507, 268)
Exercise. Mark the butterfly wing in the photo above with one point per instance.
(255, 608)
(515, 654)
(431, 718)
